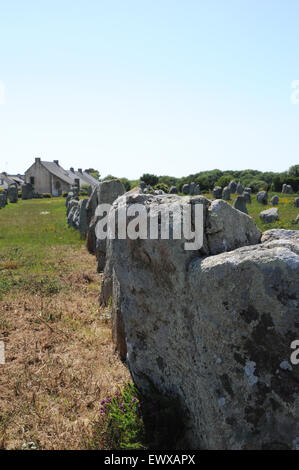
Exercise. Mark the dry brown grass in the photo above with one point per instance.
(59, 358)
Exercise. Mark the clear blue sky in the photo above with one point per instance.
(159, 86)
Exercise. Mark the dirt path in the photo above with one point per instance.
(59, 355)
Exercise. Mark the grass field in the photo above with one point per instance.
(286, 211)
(59, 356)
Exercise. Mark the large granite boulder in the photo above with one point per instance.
(215, 332)
(269, 215)
(105, 193)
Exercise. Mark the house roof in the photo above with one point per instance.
(90, 178)
(6, 179)
(84, 177)
(58, 171)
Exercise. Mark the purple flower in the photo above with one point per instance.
(134, 399)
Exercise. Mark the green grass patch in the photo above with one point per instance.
(33, 235)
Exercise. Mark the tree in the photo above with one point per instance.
(152, 180)
(294, 171)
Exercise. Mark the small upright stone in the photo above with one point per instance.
(13, 193)
(233, 187)
(226, 193)
(191, 189)
(240, 204)
(185, 189)
(247, 197)
(287, 189)
(269, 215)
(173, 190)
(274, 200)
(27, 191)
(247, 190)
(239, 188)
(197, 190)
(262, 197)
(217, 192)
(296, 202)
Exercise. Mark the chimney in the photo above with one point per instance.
(72, 170)
(80, 170)
(56, 161)
(37, 160)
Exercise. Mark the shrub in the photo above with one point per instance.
(162, 186)
(65, 194)
(152, 180)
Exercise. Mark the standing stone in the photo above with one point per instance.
(296, 202)
(185, 189)
(240, 204)
(217, 192)
(297, 219)
(226, 193)
(248, 190)
(13, 193)
(262, 197)
(27, 191)
(173, 190)
(2, 200)
(247, 197)
(239, 189)
(227, 355)
(287, 189)
(274, 200)
(191, 189)
(109, 190)
(269, 215)
(233, 187)
(197, 190)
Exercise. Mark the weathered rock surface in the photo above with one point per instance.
(217, 192)
(296, 202)
(27, 191)
(13, 193)
(173, 190)
(274, 200)
(232, 187)
(240, 204)
(226, 193)
(185, 189)
(262, 197)
(247, 197)
(287, 189)
(215, 332)
(269, 215)
(239, 189)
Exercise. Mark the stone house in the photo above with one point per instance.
(48, 177)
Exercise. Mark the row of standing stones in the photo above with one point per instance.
(213, 327)
(9, 195)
